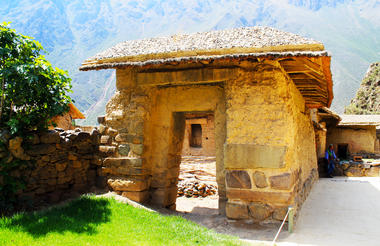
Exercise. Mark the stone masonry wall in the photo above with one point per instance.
(270, 153)
(62, 164)
(142, 133)
(122, 141)
(264, 136)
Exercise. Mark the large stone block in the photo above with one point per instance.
(279, 213)
(82, 136)
(61, 166)
(105, 139)
(50, 137)
(124, 149)
(236, 211)
(260, 196)
(121, 137)
(123, 166)
(260, 179)
(112, 132)
(137, 148)
(186, 76)
(238, 179)
(107, 150)
(101, 119)
(16, 149)
(137, 196)
(281, 182)
(123, 162)
(164, 196)
(127, 184)
(259, 211)
(248, 156)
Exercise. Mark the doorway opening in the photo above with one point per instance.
(343, 151)
(196, 136)
(197, 186)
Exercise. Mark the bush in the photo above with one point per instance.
(32, 91)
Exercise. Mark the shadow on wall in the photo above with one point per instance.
(79, 216)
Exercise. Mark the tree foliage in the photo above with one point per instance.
(32, 91)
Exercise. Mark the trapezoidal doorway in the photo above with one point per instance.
(197, 186)
(170, 137)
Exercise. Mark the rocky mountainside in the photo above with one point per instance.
(367, 99)
(73, 30)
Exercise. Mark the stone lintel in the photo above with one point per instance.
(249, 156)
(260, 196)
(188, 76)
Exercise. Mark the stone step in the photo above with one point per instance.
(123, 166)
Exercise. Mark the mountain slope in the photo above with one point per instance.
(73, 30)
(367, 99)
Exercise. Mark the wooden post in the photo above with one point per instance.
(291, 219)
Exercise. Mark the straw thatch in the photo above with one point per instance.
(75, 113)
(359, 120)
(253, 41)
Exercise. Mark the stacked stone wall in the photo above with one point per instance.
(122, 144)
(270, 152)
(59, 164)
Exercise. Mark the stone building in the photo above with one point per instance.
(65, 121)
(258, 83)
(199, 139)
(355, 134)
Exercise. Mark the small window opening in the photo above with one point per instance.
(196, 136)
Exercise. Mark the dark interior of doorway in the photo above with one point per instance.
(342, 151)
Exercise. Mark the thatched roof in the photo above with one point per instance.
(359, 120)
(254, 41)
(303, 59)
(325, 112)
(75, 113)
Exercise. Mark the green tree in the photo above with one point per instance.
(32, 91)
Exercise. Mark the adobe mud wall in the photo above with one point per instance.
(59, 164)
(360, 139)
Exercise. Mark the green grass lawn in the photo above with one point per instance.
(101, 221)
